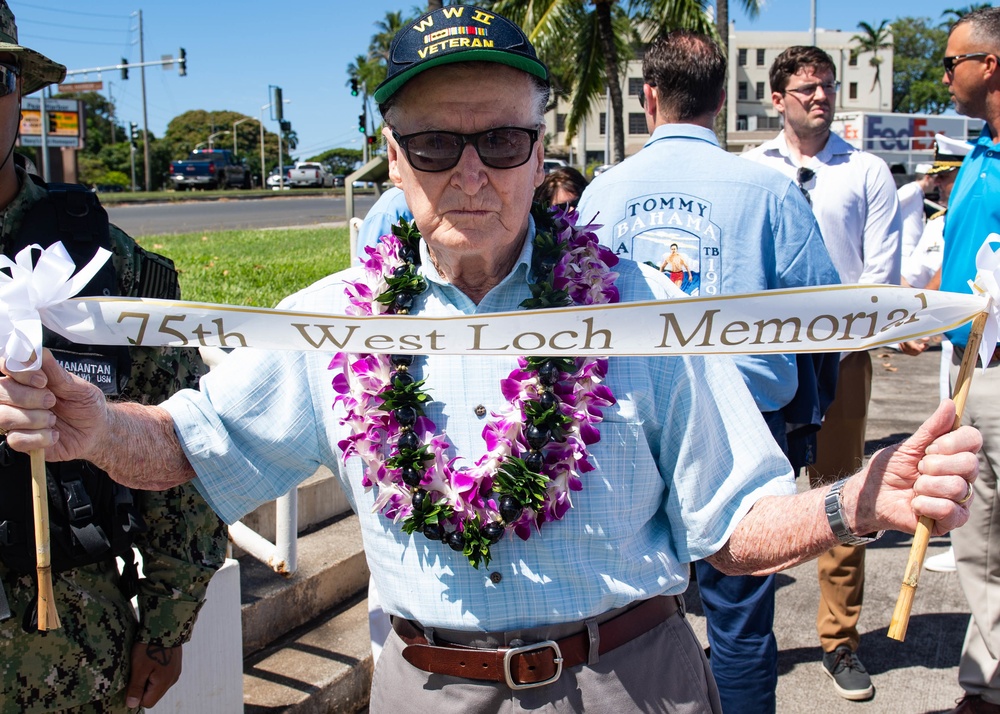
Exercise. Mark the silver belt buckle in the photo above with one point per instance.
(509, 656)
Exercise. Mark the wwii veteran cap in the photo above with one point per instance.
(456, 33)
(948, 154)
(37, 70)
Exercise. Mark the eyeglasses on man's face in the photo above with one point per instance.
(807, 91)
(8, 79)
(505, 147)
(802, 177)
(950, 61)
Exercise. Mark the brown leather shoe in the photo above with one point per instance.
(975, 704)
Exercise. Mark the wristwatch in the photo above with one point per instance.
(833, 504)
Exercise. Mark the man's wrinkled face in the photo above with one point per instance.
(808, 101)
(470, 208)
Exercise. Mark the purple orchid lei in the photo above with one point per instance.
(536, 447)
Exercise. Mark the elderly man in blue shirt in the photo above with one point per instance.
(580, 489)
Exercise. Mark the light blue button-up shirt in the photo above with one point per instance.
(738, 227)
(682, 458)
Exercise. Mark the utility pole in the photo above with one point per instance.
(111, 110)
(145, 115)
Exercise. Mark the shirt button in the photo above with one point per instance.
(480, 411)
(495, 578)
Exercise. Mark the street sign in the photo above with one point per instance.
(65, 122)
(81, 87)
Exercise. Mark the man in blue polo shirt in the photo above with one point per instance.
(972, 74)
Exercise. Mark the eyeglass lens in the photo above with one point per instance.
(808, 90)
(8, 79)
(950, 62)
(501, 148)
(802, 177)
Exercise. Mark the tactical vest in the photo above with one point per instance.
(91, 518)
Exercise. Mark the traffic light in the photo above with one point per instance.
(361, 122)
(133, 133)
(53, 124)
(124, 68)
(286, 126)
(354, 87)
(182, 62)
(278, 105)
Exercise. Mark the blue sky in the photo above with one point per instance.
(236, 49)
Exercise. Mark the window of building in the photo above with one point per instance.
(760, 58)
(743, 56)
(760, 90)
(637, 123)
(852, 89)
(560, 123)
(741, 91)
(635, 86)
(741, 122)
(853, 61)
(604, 123)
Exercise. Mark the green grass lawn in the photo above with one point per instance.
(251, 267)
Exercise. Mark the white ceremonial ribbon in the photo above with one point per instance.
(29, 289)
(987, 283)
(819, 319)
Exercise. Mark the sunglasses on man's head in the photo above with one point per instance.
(950, 61)
(505, 147)
(8, 79)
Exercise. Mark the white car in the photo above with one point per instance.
(277, 183)
(310, 174)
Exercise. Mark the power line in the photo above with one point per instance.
(29, 36)
(63, 11)
(33, 22)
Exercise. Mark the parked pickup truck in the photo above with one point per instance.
(209, 169)
(310, 174)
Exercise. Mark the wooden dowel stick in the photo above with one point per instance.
(922, 535)
(48, 616)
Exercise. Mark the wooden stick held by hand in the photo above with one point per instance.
(922, 535)
(48, 616)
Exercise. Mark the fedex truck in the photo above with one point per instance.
(902, 140)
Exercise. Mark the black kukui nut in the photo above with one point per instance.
(547, 265)
(493, 531)
(408, 255)
(401, 360)
(510, 508)
(402, 378)
(536, 436)
(456, 540)
(419, 500)
(548, 374)
(408, 441)
(411, 477)
(405, 415)
(403, 301)
(400, 271)
(434, 531)
(547, 400)
(534, 461)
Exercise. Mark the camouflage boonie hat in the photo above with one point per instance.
(37, 70)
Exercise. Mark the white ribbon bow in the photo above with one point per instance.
(28, 289)
(987, 283)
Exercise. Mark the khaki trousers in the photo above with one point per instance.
(840, 452)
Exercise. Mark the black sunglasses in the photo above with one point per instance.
(950, 62)
(802, 177)
(505, 147)
(8, 79)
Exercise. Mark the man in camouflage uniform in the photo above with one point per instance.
(102, 659)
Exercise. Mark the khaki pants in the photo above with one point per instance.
(840, 452)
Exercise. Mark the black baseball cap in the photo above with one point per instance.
(457, 33)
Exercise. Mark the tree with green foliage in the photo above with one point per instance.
(918, 46)
(873, 40)
(953, 15)
(340, 161)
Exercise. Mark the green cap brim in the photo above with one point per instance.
(37, 70)
(526, 64)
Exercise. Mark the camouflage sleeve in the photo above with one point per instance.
(185, 542)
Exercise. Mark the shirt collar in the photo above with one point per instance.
(834, 147)
(682, 131)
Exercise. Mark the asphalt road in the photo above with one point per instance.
(271, 212)
(920, 674)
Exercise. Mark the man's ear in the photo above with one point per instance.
(778, 100)
(392, 152)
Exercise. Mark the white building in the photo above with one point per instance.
(751, 116)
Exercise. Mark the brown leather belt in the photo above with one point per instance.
(535, 664)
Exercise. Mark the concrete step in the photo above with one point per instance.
(324, 667)
(332, 569)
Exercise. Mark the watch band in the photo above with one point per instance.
(833, 504)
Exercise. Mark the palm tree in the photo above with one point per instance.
(952, 15)
(872, 40)
(598, 37)
(752, 8)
